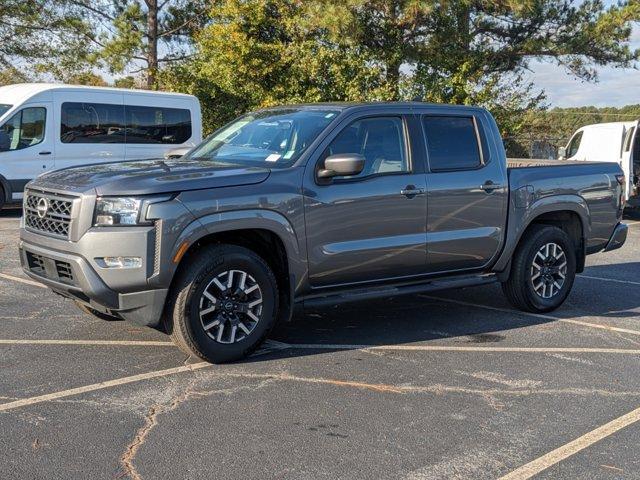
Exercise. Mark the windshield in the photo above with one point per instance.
(272, 138)
(4, 107)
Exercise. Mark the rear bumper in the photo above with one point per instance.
(72, 276)
(618, 237)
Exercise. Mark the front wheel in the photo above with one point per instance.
(543, 270)
(223, 304)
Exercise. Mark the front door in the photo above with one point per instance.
(468, 193)
(26, 146)
(370, 226)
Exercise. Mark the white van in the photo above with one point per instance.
(51, 126)
(609, 142)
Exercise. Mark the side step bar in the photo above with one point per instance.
(355, 295)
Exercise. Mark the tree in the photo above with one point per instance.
(125, 36)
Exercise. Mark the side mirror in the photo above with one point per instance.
(342, 165)
(562, 153)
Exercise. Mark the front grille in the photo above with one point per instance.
(48, 213)
(56, 270)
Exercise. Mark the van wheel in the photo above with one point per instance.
(543, 270)
(223, 304)
(95, 313)
(2, 198)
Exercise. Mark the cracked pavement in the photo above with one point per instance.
(501, 389)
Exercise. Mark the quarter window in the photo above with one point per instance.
(379, 140)
(452, 143)
(574, 145)
(23, 130)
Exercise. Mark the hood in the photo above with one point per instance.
(144, 177)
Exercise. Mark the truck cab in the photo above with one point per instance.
(315, 204)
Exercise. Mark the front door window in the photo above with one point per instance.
(23, 130)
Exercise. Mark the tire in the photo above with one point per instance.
(90, 311)
(542, 287)
(2, 198)
(214, 323)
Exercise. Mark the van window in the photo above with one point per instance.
(574, 145)
(628, 140)
(452, 143)
(23, 130)
(4, 108)
(157, 125)
(92, 123)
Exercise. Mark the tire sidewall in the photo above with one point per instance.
(219, 352)
(551, 235)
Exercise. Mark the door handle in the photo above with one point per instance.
(489, 186)
(411, 191)
(44, 153)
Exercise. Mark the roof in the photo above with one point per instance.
(21, 91)
(349, 105)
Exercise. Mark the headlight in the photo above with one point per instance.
(117, 211)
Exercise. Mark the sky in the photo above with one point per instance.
(615, 88)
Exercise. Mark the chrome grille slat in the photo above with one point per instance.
(56, 221)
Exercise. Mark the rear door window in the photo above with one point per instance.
(452, 143)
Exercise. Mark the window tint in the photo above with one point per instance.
(157, 125)
(452, 143)
(92, 123)
(378, 140)
(574, 145)
(4, 107)
(105, 123)
(24, 129)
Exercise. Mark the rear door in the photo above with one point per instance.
(89, 128)
(468, 194)
(370, 227)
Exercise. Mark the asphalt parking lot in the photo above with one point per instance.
(449, 385)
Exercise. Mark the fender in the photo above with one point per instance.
(241, 220)
(520, 218)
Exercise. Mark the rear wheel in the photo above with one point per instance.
(542, 271)
(223, 305)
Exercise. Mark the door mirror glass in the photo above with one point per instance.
(23, 130)
(342, 165)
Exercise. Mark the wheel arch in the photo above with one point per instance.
(570, 213)
(266, 233)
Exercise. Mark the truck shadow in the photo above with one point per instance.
(415, 319)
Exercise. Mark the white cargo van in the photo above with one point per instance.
(610, 142)
(52, 126)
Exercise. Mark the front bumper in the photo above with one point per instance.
(70, 269)
(618, 237)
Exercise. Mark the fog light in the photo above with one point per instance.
(120, 262)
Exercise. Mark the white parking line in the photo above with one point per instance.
(536, 315)
(125, 343)
(446, 348)
(613, 280)
(573, 447)
(21, 280)
(99, 386)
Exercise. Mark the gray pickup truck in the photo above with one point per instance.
(315, 204)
